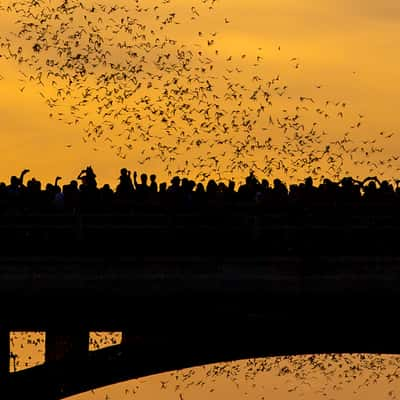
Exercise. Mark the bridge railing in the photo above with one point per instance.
(275, 232)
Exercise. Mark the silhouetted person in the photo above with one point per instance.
(153, 183)
(175, 185)
(200, 197)
(371, 194)
(187, 194)
(397, 190)
(309, 191)
(163, 196)
(230, 195)
(262, 193)
(125, 187)
(17, 183)
(386, 192)
(247, 192)
(58, 200)
(142, 189)
(154, 198)
(88, 178)
(15, 190)
(328, 193)
(3, 197)
(33, 199)
(175, 194)
(89, 199)
(106, 198)
(221, 194)
(279, 195)
(211, 189)
(71, 197)
(349, 191)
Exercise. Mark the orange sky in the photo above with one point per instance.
(350, 48)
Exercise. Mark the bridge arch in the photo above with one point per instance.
(248, 336)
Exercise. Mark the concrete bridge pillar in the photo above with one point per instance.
(66, 344)
(4, 351)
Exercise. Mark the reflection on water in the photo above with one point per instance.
(311, 377)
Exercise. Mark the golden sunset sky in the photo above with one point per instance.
(348, 48)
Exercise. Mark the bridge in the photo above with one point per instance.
(190, 289)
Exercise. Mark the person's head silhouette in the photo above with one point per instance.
(175, 181)
(14, 181)
(200, 188)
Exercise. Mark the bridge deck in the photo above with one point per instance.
(224, 233)
(97, 288)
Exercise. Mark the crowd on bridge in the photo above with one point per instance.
(84, 194)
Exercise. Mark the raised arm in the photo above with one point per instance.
(360, 183)
(371, 178)
(21, 177)
(56, 180)
(80, 174)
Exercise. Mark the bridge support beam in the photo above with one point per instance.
(66, 344)
(131, 338)
(4, 351)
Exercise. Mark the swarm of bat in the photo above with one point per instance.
(125, 77)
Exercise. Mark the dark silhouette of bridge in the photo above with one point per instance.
(192, 288)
